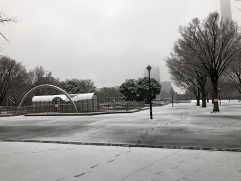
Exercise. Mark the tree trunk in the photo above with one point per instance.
(202, 83)
(1, 101)
(207, 97)
(198, 98)
(212, 98)
(204, 97)
(215, 96)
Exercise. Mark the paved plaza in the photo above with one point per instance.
(63, 162)
(182, 126)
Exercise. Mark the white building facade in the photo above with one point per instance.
(84, 102)
(226, 11)
(166, 86)
(154, 73)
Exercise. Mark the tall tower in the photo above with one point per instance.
(226, 9)
(155, 73)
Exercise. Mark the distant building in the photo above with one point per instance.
(226, 9)
(166, 86)
(154, 73)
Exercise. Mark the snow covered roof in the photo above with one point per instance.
(77, 97)
(48, 98)
(74, 97)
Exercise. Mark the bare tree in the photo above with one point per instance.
(183, 77)
(39, 76)
(11, 73)
(233, 72)
(3, 20)
(108, 92)
(214, 44)
(17, 92)
(86, 84)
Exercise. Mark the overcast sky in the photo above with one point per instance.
(107, 41)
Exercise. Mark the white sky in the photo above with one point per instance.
(107, 41)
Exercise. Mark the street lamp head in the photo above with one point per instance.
(148, 68)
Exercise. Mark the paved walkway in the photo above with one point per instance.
(183, 125)
(172, 127)
(61, 162)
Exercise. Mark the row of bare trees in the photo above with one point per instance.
(206, 54)
(15, 81)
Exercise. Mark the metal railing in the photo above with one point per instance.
(91, 105)
(8, 110)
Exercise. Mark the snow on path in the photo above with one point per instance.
(56, 162)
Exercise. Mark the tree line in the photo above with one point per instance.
(15, 81)
(206, 56)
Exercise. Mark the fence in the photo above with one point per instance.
(91, 105)
(8, 110)
(118, 104)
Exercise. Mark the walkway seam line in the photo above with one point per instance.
(149, 165)
(128, 145)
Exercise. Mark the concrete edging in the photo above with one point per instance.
(84, 114)
(129, 145)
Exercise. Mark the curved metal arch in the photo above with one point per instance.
(46, 86)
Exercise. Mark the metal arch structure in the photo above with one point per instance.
(46, 86)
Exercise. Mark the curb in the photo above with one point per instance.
(6, 115)
(86, 114)
(128, 145)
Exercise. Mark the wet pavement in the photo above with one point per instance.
(85, 151)
(182, 125)
(64, 162)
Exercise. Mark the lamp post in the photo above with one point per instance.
(149, 69)
(176, 97)
(172, 95)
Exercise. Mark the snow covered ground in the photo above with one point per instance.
(183, 125)
(59, 162)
